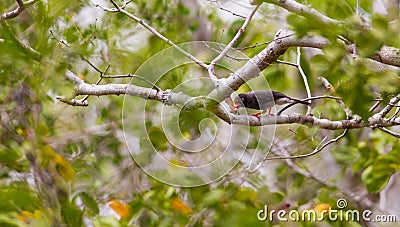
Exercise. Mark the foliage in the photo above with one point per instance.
(71, 165)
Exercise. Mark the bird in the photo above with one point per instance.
(263, 100)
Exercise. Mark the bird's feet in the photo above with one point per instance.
(257, 115)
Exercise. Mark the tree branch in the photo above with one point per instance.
(271, 54)
(82, 88)
(221, 7)
(395, 134)
(152, 30)
(316, 150)
(331, 89)
(308, 99)
(297, 8)
(303, 75)
(357, 196)
(211, 69)
(190, 103)
(21, 7)
(387, 55)
(262, 60)
(73, 102)
(387, 109)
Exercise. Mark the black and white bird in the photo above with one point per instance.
(263, 100)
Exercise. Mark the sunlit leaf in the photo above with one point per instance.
(121, 208)
(180, 206)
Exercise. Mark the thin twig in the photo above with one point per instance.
(389, 107)
(395, 112)
(354, 45)
(227, 10)
(358, 8)
(287, 63)
(303, 75)
(357, 197)
(265, 43)
(92, 65)
(397, 135)
(103, 73)
(308, 99)
(262, 161)
(331, 89)
(152, 30)
(73, 102)
(373, 107)
(118, 76)
(316, 150)
(58, 40)
(227, 55)
(240, 32)
(98, 70)
(387, 103)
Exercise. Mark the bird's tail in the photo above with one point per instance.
(300, 101)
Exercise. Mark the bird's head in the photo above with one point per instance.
(240, 101)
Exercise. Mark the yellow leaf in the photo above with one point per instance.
(178, 162)
(64, 168)
(180, 206)
(47, 152)
(25, 216)
(121, 208)
(20, 131)
(187, 135)
(322, 207)
(46, 155)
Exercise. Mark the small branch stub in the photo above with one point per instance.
(165, 97)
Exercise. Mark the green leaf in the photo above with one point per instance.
(213, 197)
(374, 184)
(267, 197)
(17, 196)
(359, 101)
(158, 138)
(377, 175)
(345, 154)
(9, 157)
(71, 214)
(89, 203)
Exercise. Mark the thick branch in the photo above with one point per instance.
(284, 39)
(300, 119)
(82, 88)
(21, 7)
(190, 103)
(305, 11)
(387, 55)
